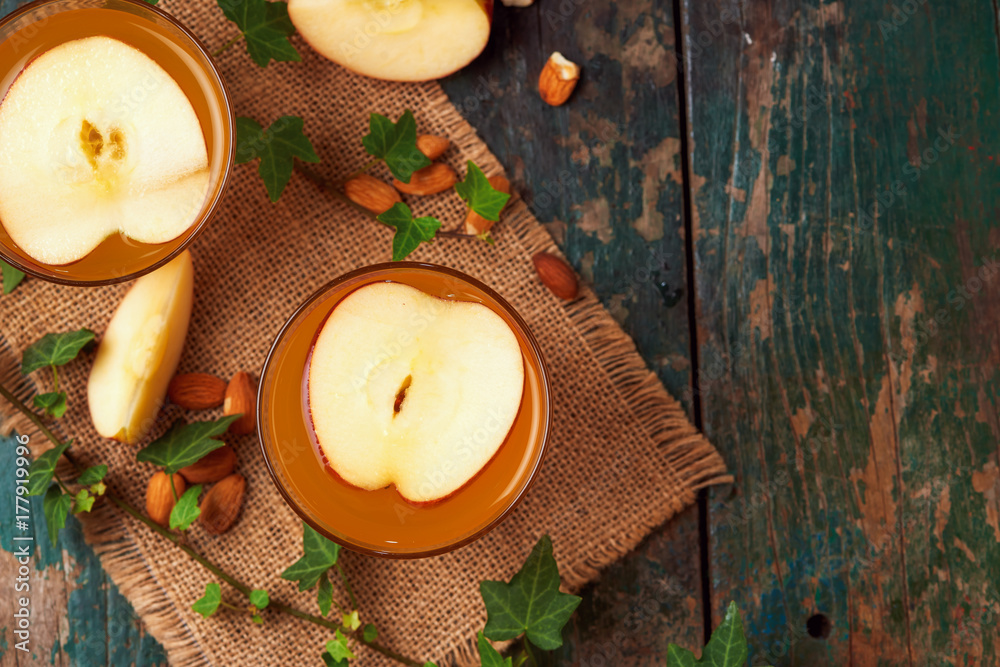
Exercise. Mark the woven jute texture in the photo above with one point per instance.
(623, 457)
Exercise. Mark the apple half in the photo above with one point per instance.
(139, 352)
(398, 40)
(408, 389)
(97, 139)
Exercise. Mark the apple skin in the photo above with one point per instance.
(311, 38)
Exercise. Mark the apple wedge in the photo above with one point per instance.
(398, 40)
(408, 389)
(140, 350)
(97, 139)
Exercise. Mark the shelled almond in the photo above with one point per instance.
(197, 391)
(428, 181)
(558, 79)
(160, 498)
(241, 399)
(432, 145)
(556, 274)
(371, 193)
(212, 467)
(222, 503)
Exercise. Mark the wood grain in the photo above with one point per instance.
(848, 381)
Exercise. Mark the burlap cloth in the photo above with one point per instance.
(623, 457)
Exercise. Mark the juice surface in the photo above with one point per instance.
(383, 521)
(118, 256)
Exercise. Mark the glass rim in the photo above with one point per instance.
(212, 69)
(546, 427)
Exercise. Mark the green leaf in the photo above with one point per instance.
(209, 602)
(186, 509)
(531, 603)
(276, 147)
(259, 598)
(727, 646)
(324, 594)
(98, 489)
(265, 26)
(429, 664)
(370, 633)
(319, 555)
(92, 475)
(480, 195)
(486, 238)
(56, 506)
(11, 277)
(351, 621)
(256, 618)
(42, 469)
(53, 403)
(338, 648)
(184, 444)
(55, 350)
(410, 231)
(330, 662)
(489, 656)
(396, 143)
(83, 502)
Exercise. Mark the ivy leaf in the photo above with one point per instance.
(186, 509)
(330, 662)
(56, 506)
(258, 619)
(324, 594)
(11, 277)
(184, 444)
(92, 475)
(98, 489)
(727, 646)
(429, 664)
(338, 648)
(276, 147)
(531, 603)
(351, 621)
(42, 469)
(489, 656)
(53, 403)
(209, 602)
(410, 231)
(370, 633)
(486, 238)
(480, 195)
(55, 349)
(265, 26)
(319, 555)
(83, 502)
(259, 598)
(396, 143)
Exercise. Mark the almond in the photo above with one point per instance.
(428, 181)
(558, 79)
(221, 505)
(477, 224)
(432, 145)
(375, 195)
(197, 391)
(212, 467)
(241, 399)
(556, 274)
(160, 497)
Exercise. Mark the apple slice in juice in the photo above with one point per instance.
(83, 160)
(409, 389)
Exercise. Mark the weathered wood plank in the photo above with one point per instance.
(78, 616)
(863, 434)
(603, 172)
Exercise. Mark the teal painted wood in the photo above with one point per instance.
(100, 626)
(604, 173)
(848, 380)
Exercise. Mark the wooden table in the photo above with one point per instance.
(791, 207)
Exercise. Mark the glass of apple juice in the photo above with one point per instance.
(404, 409)
(116, 139)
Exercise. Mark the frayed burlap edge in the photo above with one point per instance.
(692, 460)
